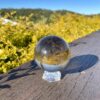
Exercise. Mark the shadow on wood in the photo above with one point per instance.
(22, 71)
(76, 43)
(5, 86)
(80, 63)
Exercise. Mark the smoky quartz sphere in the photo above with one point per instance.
(52, 53)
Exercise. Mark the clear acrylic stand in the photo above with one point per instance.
(52, 76)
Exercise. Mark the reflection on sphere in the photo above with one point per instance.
(52, 53)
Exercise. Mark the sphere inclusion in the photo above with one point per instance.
(52, 53)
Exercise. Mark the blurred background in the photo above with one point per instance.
(23, 23)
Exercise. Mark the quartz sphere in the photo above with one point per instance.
(52, 53)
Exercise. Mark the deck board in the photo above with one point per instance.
(80, 81)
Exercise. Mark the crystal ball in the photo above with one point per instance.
(52, 53)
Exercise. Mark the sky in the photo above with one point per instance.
(79, 6)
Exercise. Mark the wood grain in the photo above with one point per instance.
(80, 79)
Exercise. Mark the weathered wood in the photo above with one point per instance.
(80, 80)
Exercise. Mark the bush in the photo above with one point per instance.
(17, 42)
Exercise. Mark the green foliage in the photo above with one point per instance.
(17, 42)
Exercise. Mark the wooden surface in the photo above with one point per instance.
(80, 81)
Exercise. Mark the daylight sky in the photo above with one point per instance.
(80, 6)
